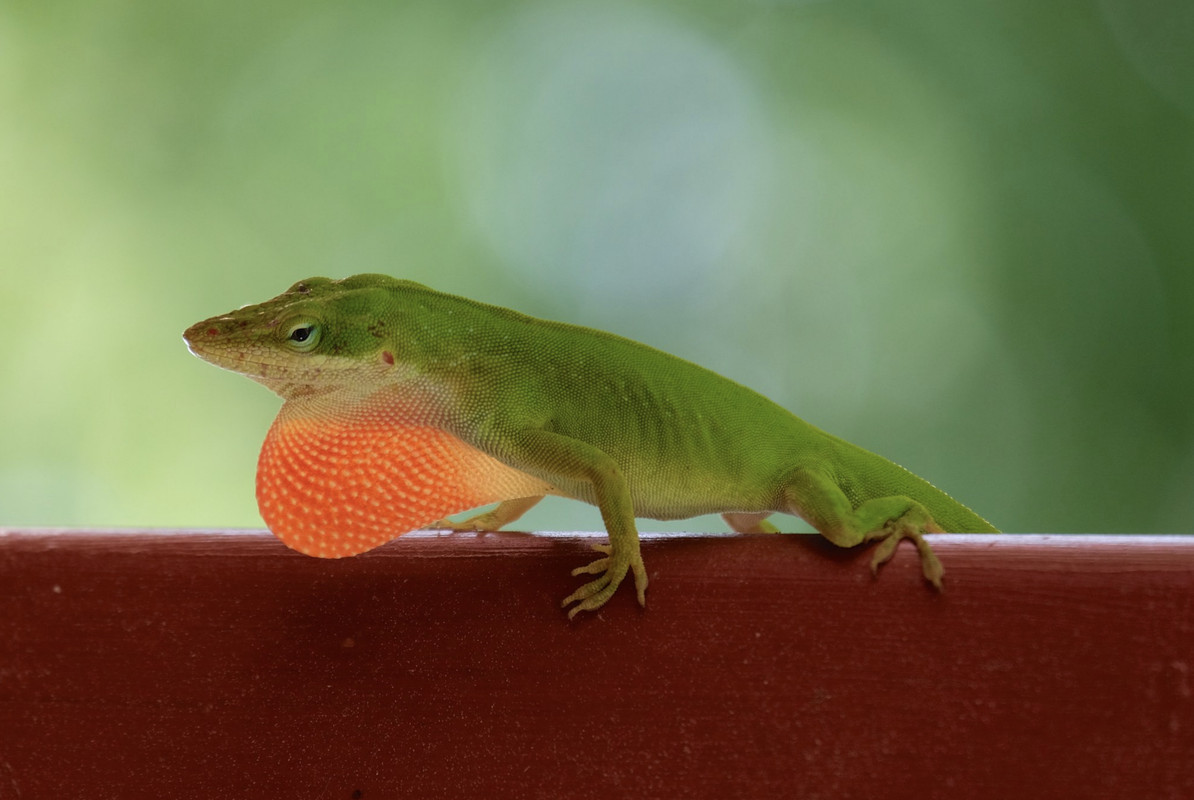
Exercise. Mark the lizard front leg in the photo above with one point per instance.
(506, 512)
(561, 459)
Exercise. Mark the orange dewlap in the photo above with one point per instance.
(338, 487)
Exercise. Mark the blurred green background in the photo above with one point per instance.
(960, 235)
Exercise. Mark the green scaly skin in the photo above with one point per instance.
(586, 414)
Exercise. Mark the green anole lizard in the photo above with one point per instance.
(404, 405)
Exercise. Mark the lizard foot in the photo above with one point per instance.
(611, 570)
(446, 524)
(902, 528)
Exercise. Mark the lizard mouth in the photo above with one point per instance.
(219, 342)
(212, 342)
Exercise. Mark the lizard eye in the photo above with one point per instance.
(303, 336)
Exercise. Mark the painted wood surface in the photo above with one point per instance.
(208, 664)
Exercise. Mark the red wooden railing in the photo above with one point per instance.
(222, 665)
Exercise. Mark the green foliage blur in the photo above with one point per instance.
(958, 234)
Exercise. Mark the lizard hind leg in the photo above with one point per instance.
(743, 522)
(818, 499)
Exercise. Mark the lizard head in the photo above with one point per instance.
(318, 336)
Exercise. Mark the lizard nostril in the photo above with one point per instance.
(213, 331)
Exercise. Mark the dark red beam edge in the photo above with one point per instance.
(209, 664)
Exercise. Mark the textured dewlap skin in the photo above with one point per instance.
(335, 486)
